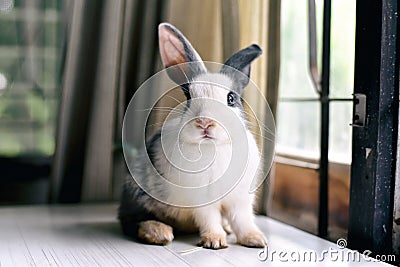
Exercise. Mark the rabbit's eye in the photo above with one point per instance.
(231, 99)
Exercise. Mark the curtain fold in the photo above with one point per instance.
(76, 99)
(109, 52)
(139, 61)
(97, 171)
(260, 23)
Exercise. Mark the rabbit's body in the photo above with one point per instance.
(152, 220)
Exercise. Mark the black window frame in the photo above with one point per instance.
(374, 146)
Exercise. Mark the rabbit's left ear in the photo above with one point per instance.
(241, 61)
(175, 49)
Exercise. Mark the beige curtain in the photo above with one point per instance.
(83, 159)
(110, 51)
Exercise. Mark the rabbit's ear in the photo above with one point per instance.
(175, 49)
(241, 61)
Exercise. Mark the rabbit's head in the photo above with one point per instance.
(208, 94)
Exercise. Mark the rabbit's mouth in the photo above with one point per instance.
(206, 136)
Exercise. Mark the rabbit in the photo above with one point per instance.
(153, 221)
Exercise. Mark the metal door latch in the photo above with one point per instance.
(360, 110)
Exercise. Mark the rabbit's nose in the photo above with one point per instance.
(204, 123)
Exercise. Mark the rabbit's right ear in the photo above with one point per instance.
(175, 49)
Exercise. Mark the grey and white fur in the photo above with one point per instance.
(154, 222)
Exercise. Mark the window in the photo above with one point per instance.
(298, 118)
(298, 132)
(30, 56)
(31, 52)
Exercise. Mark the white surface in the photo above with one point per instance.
(89, 235)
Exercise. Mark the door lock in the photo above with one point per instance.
(360, 110)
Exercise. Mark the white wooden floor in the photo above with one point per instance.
(89, 235)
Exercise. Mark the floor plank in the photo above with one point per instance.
(89, 235)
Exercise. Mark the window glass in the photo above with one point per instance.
(30, 57)
(294, 75)
(340, 132)
(299, 129)
(342, 48)
(298, 125)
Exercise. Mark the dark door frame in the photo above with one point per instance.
(374, 145)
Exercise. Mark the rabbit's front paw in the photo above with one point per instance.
(254, 239)
(154, 232)
(213, 241)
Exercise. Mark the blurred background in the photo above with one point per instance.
(69, 68)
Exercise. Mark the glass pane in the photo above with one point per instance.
(294, 74)
(340, 132)
(30, 57)
(342, 48)
(298, 129)
(295, 80)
